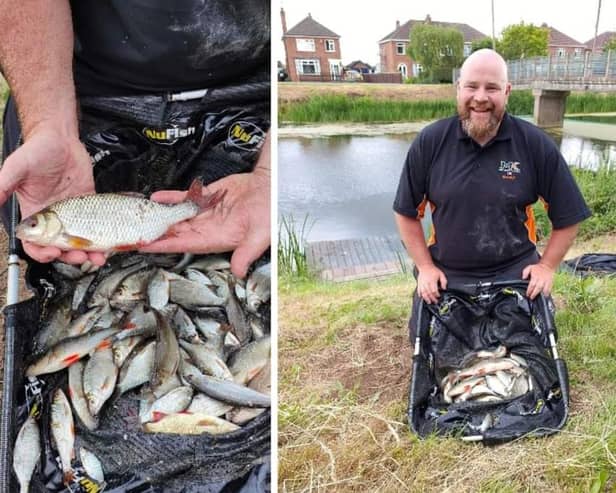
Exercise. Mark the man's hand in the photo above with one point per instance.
(541, 279)
(428, 282)
(242, 224)
(48, 167)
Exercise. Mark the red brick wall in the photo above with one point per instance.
(390, 58)
(320, 53)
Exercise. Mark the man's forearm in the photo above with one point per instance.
(558, 244)
(36, 53)
(412, 235)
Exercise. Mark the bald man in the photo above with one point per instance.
(480, 172)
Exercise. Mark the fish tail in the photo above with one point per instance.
(68, 476)
(207, 201)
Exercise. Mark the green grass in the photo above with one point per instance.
(340, 432)
(291, 254)
(344, 108)
(598, 189)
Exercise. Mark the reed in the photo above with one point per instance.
(292, 261)
(336, 108)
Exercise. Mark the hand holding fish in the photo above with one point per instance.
(243, 226)
(48, 167)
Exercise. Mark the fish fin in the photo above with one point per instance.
(132, 194)
(104, 344)
(68, 476)
(78, 243)
(157, 416)
(73, 358)
(208, 201)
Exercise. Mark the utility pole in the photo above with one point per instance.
(493, 36)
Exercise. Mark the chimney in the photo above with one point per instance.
(283, 18)
(428, 19)
(397, 24)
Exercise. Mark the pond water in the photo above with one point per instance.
(345, 185)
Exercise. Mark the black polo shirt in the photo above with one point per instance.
(125, 47)
(481, 197)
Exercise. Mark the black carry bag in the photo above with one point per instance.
(591, 264)
(481, 317)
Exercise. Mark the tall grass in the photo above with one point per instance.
(344, 108)
(292, 260)
(598, 188)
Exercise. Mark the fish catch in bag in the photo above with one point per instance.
(486, 367)
(123, 396)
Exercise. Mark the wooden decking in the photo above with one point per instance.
(346, 260)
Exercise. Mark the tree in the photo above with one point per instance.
(438, 49)
(610, 44)
(523, 41)
(483, 43)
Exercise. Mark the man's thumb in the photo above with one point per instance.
(10, 178)
(244, 255)
(526, 272)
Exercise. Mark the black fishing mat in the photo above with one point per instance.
(591, 264)
(473, 317)
(133, 461)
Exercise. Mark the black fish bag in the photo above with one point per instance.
(132, 460)
(474, 317)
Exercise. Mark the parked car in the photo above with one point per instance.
(353, 75)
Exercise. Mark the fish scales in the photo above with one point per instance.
(105, 219)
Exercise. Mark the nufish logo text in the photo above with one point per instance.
(245, 135)
(168, 135)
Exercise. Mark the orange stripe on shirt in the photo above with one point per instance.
(530, 224)
(421, 210)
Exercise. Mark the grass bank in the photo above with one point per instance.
(598, 189)
(336, 108)
(344, 370)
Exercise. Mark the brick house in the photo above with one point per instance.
(562, 46)
(392, 48)
(600, 41)
(312, 51)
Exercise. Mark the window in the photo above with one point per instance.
(577, 53)
(417, 68)
(330, 45)
(467, 49)
(309, 67)
(561, 53)
(304, 44)
(400, 48)
(403, 70)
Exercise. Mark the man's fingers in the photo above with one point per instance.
(40, 253)
(243, 256)
(9, 179)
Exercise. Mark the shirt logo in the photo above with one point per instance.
(245, 135)
(509, 169)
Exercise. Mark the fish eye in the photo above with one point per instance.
(32, 222)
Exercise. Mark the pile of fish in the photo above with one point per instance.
(184, 337)
(487, 376)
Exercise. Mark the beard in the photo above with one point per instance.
(479, 130)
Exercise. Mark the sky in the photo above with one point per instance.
(361, 24)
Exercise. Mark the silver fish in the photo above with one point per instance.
(92, 465)
(99, 379)
(110, 221)
(26, 453)
(258, 287)
(175, 401)
(78, 397)
(190, 424)
(63, 432)
(250, 360)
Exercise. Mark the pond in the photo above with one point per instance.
(345, 185)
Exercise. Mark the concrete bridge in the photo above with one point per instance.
(553, 78)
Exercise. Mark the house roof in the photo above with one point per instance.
(404, 30)
(557, 38)
(358, 64)
(601, 39)
(310, 27)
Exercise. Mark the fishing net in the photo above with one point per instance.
(132, 460)
(591, 264)
(473, 318)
